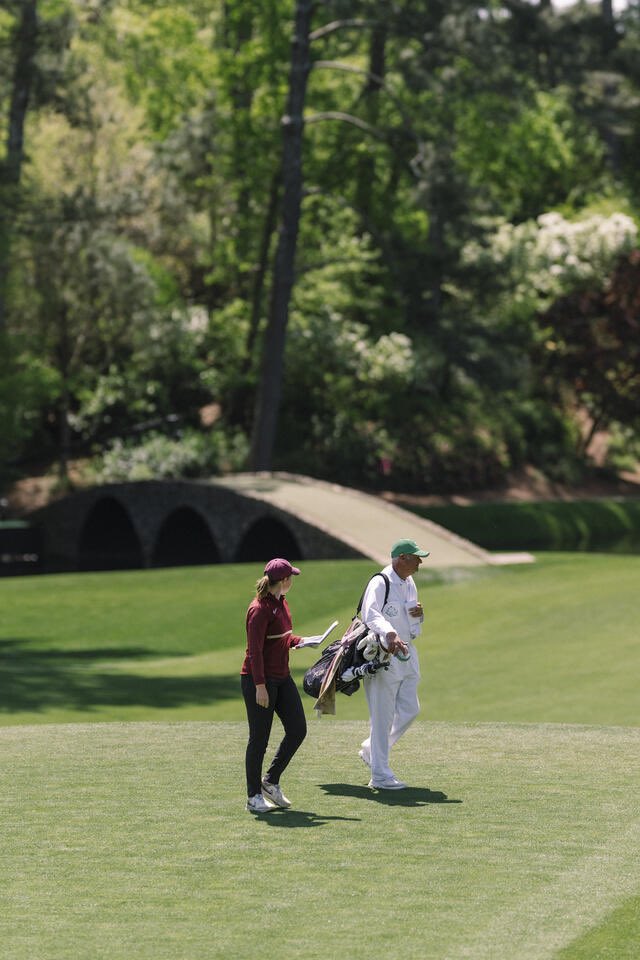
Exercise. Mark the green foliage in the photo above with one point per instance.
(528, 157)
(168, 62)
(339, 375)
(27, 385)
(170, 380)
(623, 450)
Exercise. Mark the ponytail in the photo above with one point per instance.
(262, 587)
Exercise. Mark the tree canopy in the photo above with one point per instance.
(383, 243)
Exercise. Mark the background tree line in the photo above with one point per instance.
(400, 250)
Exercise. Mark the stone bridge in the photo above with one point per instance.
(244, 518)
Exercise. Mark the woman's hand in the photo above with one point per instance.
(262, 695)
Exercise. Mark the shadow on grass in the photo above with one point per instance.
(409, 797)
(299, 818)
(36, 680)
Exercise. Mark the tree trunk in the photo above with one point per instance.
(64, 351)
(609, 34)
(609, 44)
(371, 94)
(26, 39)
(64, 438)
(261, 272)
(26, 45)
(238, 31)
(239, 404)
(270, 385)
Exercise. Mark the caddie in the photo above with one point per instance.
(392, 694)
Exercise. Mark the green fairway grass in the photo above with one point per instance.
(552, 641)
(130, 842)
(516, 840)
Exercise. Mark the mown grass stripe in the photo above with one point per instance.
(615, 938)
(542, 923)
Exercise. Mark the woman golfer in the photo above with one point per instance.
(268, 687)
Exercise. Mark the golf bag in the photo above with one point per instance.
(346, 661)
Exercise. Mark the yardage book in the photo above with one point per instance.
(315, 641)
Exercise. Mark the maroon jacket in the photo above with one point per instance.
(269, 638)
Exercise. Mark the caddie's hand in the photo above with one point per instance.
(401, 647)
(394, 644)
(417, 611)
(389, 641)
(262, 695)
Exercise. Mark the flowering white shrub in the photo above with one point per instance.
(157, 457)
(349, 343)
(390, 356)
(545, 258)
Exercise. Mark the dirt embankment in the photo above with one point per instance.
(530, 485)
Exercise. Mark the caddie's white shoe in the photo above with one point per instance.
(365, 756)
(392, 783)
(258, 804)
(273, 792)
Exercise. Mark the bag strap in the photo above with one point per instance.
(386, 590)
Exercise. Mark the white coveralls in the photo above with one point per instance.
(392, 694)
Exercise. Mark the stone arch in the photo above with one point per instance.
(108, 540)
(266, 538)
(184, 539)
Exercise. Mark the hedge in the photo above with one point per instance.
(611, 525)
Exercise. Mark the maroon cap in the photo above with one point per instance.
(280, 569)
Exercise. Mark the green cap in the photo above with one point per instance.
(408, 546)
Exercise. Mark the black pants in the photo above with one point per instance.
(284, 700)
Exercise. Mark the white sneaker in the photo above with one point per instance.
(258, 804)
(392, 783)
(365, 757)
(275, 794)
